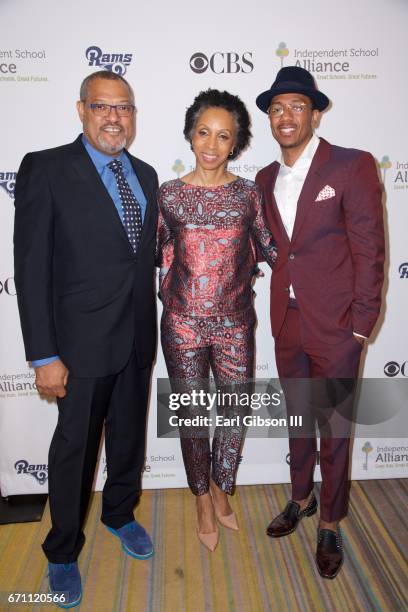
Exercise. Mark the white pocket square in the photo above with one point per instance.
(326, 193)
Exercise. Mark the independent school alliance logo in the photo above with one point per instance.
(8, 182)
(367, 449)
(18, 65)
(16, 384)
(332, 63)
(145, 470)
(115, 62)
(282, 51)
(178, 167)
(386, 456)
(384, 165)
(399, 174)
(37, 471)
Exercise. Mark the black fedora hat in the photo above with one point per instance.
(293, 79)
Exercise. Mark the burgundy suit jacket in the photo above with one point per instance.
(335, 258)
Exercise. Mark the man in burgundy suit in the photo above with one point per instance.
(323, 205)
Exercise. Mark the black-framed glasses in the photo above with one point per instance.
(103, 110)
(276, 110)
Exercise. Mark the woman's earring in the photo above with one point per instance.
(231, 153)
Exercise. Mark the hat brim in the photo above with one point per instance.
(320, 101)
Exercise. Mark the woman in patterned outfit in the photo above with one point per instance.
(210, 221)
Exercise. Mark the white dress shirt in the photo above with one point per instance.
(289, 184)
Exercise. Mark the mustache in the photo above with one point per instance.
(111, 125)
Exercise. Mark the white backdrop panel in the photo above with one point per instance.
(357, 52)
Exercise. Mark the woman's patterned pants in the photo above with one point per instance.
(191, 345)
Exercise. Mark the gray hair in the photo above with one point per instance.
(107, 75)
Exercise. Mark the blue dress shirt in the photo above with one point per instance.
(100, 161)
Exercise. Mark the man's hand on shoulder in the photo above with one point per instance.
(52, 378)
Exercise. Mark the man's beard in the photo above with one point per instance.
(111, 149)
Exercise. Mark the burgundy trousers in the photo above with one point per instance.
(319, 385)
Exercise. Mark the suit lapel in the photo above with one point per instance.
(274, 207)
(85, 168)
(308, 193)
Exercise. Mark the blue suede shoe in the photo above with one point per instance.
(65, 584)
(135, 540)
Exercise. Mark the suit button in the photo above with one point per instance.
(292, 256)
(286, 289)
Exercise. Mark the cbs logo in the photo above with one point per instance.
(222, 62)
(8, 286)
(393, 368)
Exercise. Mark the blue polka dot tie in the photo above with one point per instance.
(132, 214)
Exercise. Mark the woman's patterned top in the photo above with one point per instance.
(206, 246)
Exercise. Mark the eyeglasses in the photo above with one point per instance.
(103, 110)
(276, 110)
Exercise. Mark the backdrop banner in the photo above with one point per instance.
(169, 52)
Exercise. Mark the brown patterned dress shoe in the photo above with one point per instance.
(286, 522)
(329, 553)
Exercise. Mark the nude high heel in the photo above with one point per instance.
(227, 520)
(209, 540)
(230, 520)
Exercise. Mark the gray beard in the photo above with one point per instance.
(109, 148)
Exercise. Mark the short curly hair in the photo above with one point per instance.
(220, 99)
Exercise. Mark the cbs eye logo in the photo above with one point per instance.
(393, 368)
(222, 62)
(198, 63)
(8, 286)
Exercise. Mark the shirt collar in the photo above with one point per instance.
(305, 158)
(102, 159)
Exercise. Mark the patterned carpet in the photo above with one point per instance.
(249, 572)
